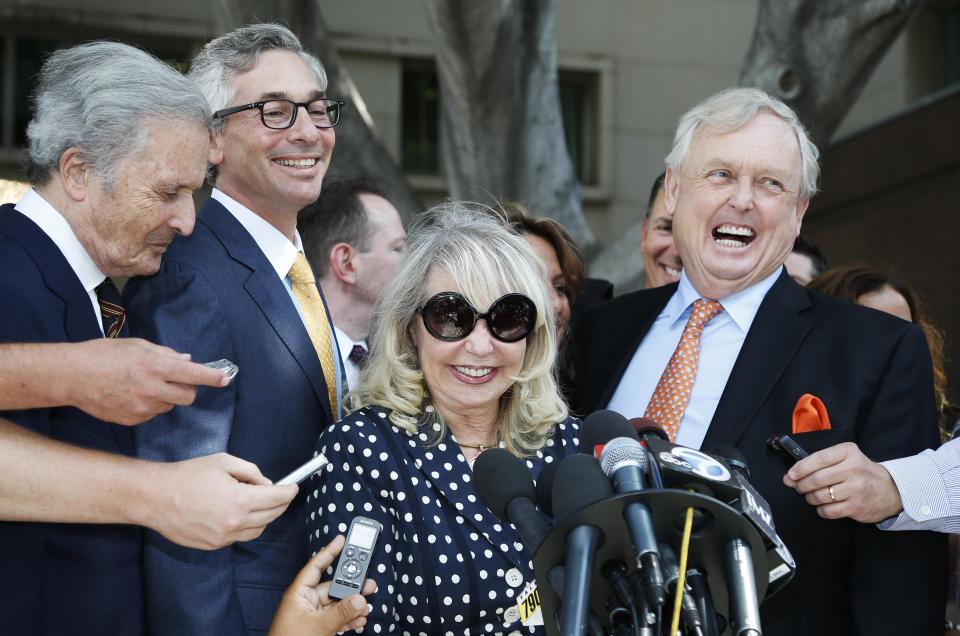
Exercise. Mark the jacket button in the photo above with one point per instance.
(512, 615)
(514, 578)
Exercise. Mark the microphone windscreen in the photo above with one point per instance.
(545, 487)
(645, 426)
(602, 426)
(579, 483)
(734, 458)
(500, 477)
(622, 450)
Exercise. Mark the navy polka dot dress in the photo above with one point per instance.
(444, 564)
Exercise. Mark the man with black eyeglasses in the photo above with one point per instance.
(240, 288)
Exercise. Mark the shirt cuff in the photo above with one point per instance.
(922, 492)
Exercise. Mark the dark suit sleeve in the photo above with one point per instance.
(909, 568)
(188, 591)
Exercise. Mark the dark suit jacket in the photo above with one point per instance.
(217, 296)
(60, 578)
(873, 373)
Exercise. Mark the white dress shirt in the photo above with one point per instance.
(929, 485)
(720, 345)
(278, 249)
(37, 209)
(350, 368)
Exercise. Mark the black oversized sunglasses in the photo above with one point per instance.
(449, 316)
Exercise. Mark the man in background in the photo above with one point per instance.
(661, 261)
(356, 242)
(805, 262)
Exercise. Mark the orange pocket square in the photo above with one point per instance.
(810, 415)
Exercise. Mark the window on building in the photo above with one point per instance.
(21, 57)
(420, 116)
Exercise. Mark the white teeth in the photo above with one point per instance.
(730, 243)
(733, 229)
(474, 372)
(297, 163)
(673, 272)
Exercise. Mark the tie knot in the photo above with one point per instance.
(300, 272)
(703, 310)
(358, 355)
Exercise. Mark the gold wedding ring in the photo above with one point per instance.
(832, 498)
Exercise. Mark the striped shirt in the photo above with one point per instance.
(929, 485)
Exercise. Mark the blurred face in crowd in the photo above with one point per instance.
(661, 260)
(889, 300)
(272, 172)
(800, 268)
(127, 227)
(386, 240)
(556, 281)
(466, 377)
(736, 206)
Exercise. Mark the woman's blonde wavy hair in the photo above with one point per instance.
(485, 260)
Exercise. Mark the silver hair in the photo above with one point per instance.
(237, 52)
(485, 260)
(734, 108)
(97, 97)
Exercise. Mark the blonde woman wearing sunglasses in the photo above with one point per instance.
(462, 354)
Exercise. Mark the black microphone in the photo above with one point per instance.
(545, 487)
(602, 426)
(688, 607)
(504, 485)
(755, 508)
(713, 623)
(645, 428)
(624, 461)
(579, 482)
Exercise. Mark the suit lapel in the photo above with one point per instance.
(80, 321)
(773, 340)
(269, 293)
(625, 333)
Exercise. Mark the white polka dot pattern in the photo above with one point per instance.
(429, 511)
(670, 398)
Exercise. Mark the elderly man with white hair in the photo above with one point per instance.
(118, 142)
(730, 352)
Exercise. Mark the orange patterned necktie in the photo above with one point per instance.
(316, 321)
(670, 398)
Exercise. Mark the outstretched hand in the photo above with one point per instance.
(307, 607)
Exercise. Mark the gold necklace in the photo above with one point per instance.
(480, 448)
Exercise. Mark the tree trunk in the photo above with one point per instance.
(358, 151)
(817, 55)
(501, 130)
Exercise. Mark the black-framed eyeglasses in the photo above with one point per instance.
(280, 114)
(448, 316)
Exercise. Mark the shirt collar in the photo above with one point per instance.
(345, 344)
(33, 206)
(275, 246)
(741, 306)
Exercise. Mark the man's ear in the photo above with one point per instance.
(75, 174)
(342, 263)
(671, 187)
(215, 154)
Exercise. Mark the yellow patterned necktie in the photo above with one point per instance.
(670, 398)
(316, 321)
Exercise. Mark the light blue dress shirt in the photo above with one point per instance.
(929, 485)
(720, 345)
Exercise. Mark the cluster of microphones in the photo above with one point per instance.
(641, 526)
